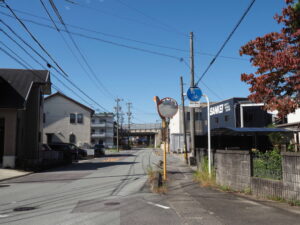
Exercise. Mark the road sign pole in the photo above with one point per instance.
(167, 108)
(183, 122)
(165, 151)
(208, 136)
(192, 110)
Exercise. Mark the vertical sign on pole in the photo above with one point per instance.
(167, 108)
(194, 94)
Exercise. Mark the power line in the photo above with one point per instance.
(15, 54)
(226, 41)
(34, 38)
(70, 81)
(101, 86)
(121, 17)
(211, 91)
(25, 63)
(118, 36)
(19, 60)
(151, 18)
(29, 46)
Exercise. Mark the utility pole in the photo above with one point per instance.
(183, 122)
(118, 117)
(192, 110)
(129, 118)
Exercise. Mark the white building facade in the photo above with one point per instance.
(66, 120)
(293, 123)
(102, 129)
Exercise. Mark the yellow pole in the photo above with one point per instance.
(165, 151)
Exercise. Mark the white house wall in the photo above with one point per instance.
(57, 111)
(294, 117)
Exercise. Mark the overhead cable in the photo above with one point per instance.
(226, 41)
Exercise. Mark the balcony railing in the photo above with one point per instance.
(101, 125)
(98, 135)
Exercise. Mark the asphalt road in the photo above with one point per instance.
(111, 190)
(108, 190)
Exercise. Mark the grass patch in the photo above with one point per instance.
(225, 188)
(150, 173)
(280, 199)
(247, 191)
(202, 176)
(294, 202)
(157, 185)
(276, 198)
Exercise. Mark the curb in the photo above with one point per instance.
(10, 178)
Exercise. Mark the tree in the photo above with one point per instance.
(276, 55)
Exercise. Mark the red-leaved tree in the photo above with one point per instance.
(276, 55)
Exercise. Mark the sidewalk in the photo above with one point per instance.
(207, 206)
(6, 174)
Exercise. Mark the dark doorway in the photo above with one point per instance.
(1, 139)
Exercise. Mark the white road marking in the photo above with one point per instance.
(158, 205)
(3, 215)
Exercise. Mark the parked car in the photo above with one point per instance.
(71, 151)
(82, 153)
(99, 150)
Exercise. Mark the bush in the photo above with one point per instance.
(268, 164)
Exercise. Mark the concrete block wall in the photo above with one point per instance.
(291, 175)
(233, 169)
(266, 187)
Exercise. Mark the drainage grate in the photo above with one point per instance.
(4, 185)
(112, 203)
(24, 208)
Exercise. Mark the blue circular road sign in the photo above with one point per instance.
(194, 94)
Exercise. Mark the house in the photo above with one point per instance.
(102, 131)
(66, 120)
(293, 124)
(21, 113)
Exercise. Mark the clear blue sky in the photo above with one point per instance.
(139, 76)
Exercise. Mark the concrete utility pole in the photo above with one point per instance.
(183, 122)
(192, 110)
(129, 119)
(118, 117)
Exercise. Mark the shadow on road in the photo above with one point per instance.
(89, 165)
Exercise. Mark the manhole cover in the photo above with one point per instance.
(24, 208)
(4, 185)
(112, 203)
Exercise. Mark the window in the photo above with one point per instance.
(80, 118)
(72, 118)
(44, 117)
(93, 131)
(226, 118)
(102, 121)
(93, 120)
(72, 138)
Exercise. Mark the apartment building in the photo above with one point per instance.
(102, 129)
